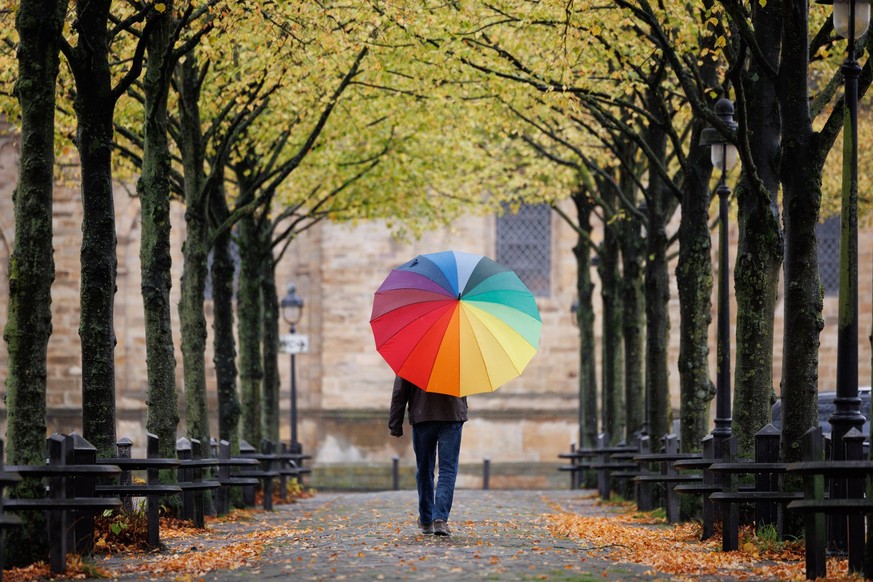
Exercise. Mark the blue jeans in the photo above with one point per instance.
(428, 438)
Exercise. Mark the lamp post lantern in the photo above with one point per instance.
(724, 156)
(292, 311)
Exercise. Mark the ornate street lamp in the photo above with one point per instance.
(851, 19)
(292, 311)
(724, 156)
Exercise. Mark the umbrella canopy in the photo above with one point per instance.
(455, 323)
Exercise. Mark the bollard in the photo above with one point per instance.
(486, 473)
(81, 538)
(395, 472)
(123, 448)
(153, 502)
(245, 449)
(574, 475)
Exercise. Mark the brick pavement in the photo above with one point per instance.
(496, 535)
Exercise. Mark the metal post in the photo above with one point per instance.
(395, 473)
(723, 421)
(296, 447)
(847, 414)
(486, 474)
(292, 310)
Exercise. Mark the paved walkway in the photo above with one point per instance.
(496, 535)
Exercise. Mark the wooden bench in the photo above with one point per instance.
(191, 479)
(668, 475)
(63, 501)
(152, 489)
(766, 493)
(265, 474)
(815, 506)
(229, 479)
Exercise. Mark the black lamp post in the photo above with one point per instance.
(724, 156)
(292, 311)
(851, 20)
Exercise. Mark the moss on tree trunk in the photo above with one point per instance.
(660, 205)
(271, 346)
(612, 367)
(154, 193)
(249, 308)
(94, 105)
(694, 282)
(31, 266)
(800, 174)
(585, 322)
(223, 337)
(195, 252)
(760, 245)
(632, 315)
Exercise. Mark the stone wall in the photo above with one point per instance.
(343, 384)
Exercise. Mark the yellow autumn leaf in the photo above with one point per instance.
(160, 7)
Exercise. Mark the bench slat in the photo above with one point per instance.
(139, 490)
(76, 503)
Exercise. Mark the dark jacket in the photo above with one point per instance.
(423, 406)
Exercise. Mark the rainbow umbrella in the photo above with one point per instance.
(455, 323)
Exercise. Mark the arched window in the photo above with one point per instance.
(828, 237)
(524, 244)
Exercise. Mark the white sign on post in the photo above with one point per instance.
(293, 343)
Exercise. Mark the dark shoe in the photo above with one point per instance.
(441, 528)
(426, 528)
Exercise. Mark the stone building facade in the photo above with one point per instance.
(343, 384)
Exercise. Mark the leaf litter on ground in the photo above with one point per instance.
(678, 550)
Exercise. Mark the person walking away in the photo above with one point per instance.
(437, 421)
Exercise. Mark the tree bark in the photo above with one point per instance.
(195, 252)
(271, 345)
(694, 275)
(222, 324)
(660, 205)
(154, 192)
(800, 175)
(633, 313)
(760, 245)
(31, 266)
(612, 386)
(249, 309)
(585, 323)
(694, 282)
(94, 105)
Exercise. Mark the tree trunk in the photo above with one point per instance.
(249, 330)
(760, 245)
(195, 253)
(800, 175)
(31, 266)
(222, 324)
(660, 205)
(612, 386)
(633, 313)
(94, 106)
(154, 194)
(694, 282)
(271, 346)
(585, 323)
